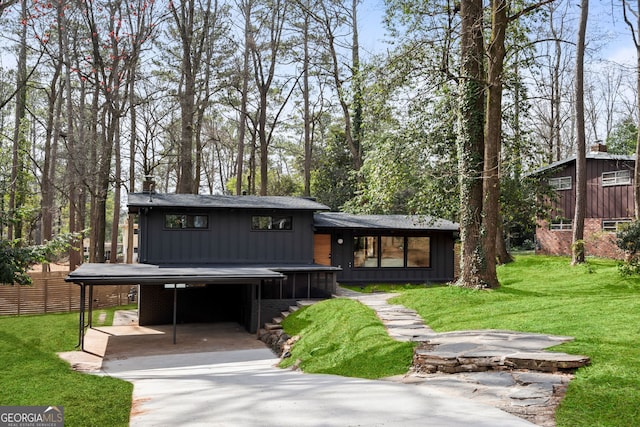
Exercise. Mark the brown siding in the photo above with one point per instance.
(602, 202)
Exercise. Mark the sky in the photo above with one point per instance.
(606, 30)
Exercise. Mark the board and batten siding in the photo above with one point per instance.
(442, 260)
(614, 201)
(227, 240)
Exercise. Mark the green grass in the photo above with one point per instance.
(344, 337)
(33, 375)
(592, 303)
(385, 287)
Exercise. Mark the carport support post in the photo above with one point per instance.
(90, 323)
(259, 306)
(175, 310)
(81, 318)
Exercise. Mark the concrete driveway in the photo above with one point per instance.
(243, 388)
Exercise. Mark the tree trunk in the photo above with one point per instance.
(577, 244)
(635, 32)
(470, 143)
(502, 253)
(492, 147)
(16, 193)
(242, 125)
(50, 150)
(306, 110)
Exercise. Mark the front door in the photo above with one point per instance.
(322, 249)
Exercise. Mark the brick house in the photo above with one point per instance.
(609, 200)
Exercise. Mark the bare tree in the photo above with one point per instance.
(578, 255)
(635, 28)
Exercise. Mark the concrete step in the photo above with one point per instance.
(272, 326)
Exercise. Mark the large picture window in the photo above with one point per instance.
(391, 251)
(269, 222)
(418, 252)
(184, 221)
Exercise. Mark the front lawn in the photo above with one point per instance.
(592, 303)
(33, 375)
(344, 337)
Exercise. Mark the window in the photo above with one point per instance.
(271, 222)
(391, 251)
(365, 251)
(181, 222)
(613, 225)
(561, 224)
(418, 252)
(616, 178)
(562, 183)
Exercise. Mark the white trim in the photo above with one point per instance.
(621, 177)
(613, 225)
(561, 183)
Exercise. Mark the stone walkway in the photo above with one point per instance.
(508, 370)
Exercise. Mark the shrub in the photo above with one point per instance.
(628, 239)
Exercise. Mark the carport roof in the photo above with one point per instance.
(114, 274)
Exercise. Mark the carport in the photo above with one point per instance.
(171, 278)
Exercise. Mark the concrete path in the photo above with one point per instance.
(242, 388)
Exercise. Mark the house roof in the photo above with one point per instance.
(145, 200)
(592, 155)
(382, 222)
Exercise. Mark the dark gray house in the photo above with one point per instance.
(209, 258)
(386, 248)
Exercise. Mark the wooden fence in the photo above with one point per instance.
(51, 294)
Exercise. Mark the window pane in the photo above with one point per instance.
(365, 251)
(418, 252)
(392, 251)
(175, 221)
(200, 221)
(186, 221)
(264, 222)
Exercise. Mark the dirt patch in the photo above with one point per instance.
(136, 406)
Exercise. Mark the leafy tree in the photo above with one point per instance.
(16, 258)
(334, 182)
(623, 137)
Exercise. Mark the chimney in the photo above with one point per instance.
(598, 147)
(148, 185)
